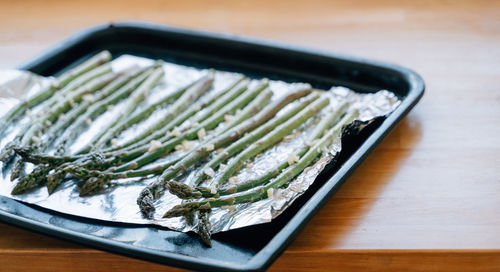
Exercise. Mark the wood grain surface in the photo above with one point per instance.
(427, 199)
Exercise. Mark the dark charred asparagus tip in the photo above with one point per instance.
(32, 180)
(204, 227)
(181, 190)
(93, 184)
(145, 202)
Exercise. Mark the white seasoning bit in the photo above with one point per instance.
(219, 150)
(291, 136)
(188, 145)
(88, 98)
(179, 147)
(228, 207)
(228, 118)
(35, 139)
(209, 172)
(270, 192)
(154, 145)
(222, 166)
(114, 142)
(71, 102)
(210, 147)
(233, 180)
(88, 122)
(238, 111)
(29, 113)
(48, 123)
(195, 124)
(213, 190)
(201, 133)
(293, 159)
(176, 132)
(249, 166)
(110, 107)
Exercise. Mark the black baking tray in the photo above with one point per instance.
(251, 248)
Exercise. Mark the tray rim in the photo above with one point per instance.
(270, 252)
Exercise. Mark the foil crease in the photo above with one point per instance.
(118, 202)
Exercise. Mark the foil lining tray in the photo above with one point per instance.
(117, 203)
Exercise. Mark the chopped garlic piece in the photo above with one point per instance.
(210, 147)
(35, 139)
(233, 180)
(270, 192)
(88, 98)
(154, 145)
(179, 147)
(213, 190)
(209, 172)
(222, 166)
(88, 122)
(29, 113)
(110, 107)
(114, 142)
(238, 111)
(176, 132)
(201, 133)
(219, 150)
(195, 124)
(48, 123)
(188, 145)
(71, 102)
(249, 166)
(228, 118)
(293, 159)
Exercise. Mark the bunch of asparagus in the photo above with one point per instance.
(217, 133)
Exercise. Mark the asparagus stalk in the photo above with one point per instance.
(213, 103)
(154, 190)
(31, 180)
(65, 105)
(59, 83)
(125, 172)
(270, 139)
(137, 97)
(265, 191)
(192, 133)
(130, 81)
(324, 124)
(188, 97)
(78, 111)
(250, 138)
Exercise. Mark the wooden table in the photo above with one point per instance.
(427, 199)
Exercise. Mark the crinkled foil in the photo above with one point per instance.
(118, 202)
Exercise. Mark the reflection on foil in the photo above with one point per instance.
(118, 202)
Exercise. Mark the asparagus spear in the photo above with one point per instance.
(77, 111)
(30, 136)
(192, 133)
(193, 113)
(125, 170)
(59, 83)
(65, 105)
(137, 96)
(154, 190)
(270, 139)
(250, 138)
(187, 97)
(31, 180)
(324, 124)
(263, 192)
(131, 82)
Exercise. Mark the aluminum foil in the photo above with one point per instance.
(117, 203)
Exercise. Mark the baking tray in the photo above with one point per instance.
(247, 249)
